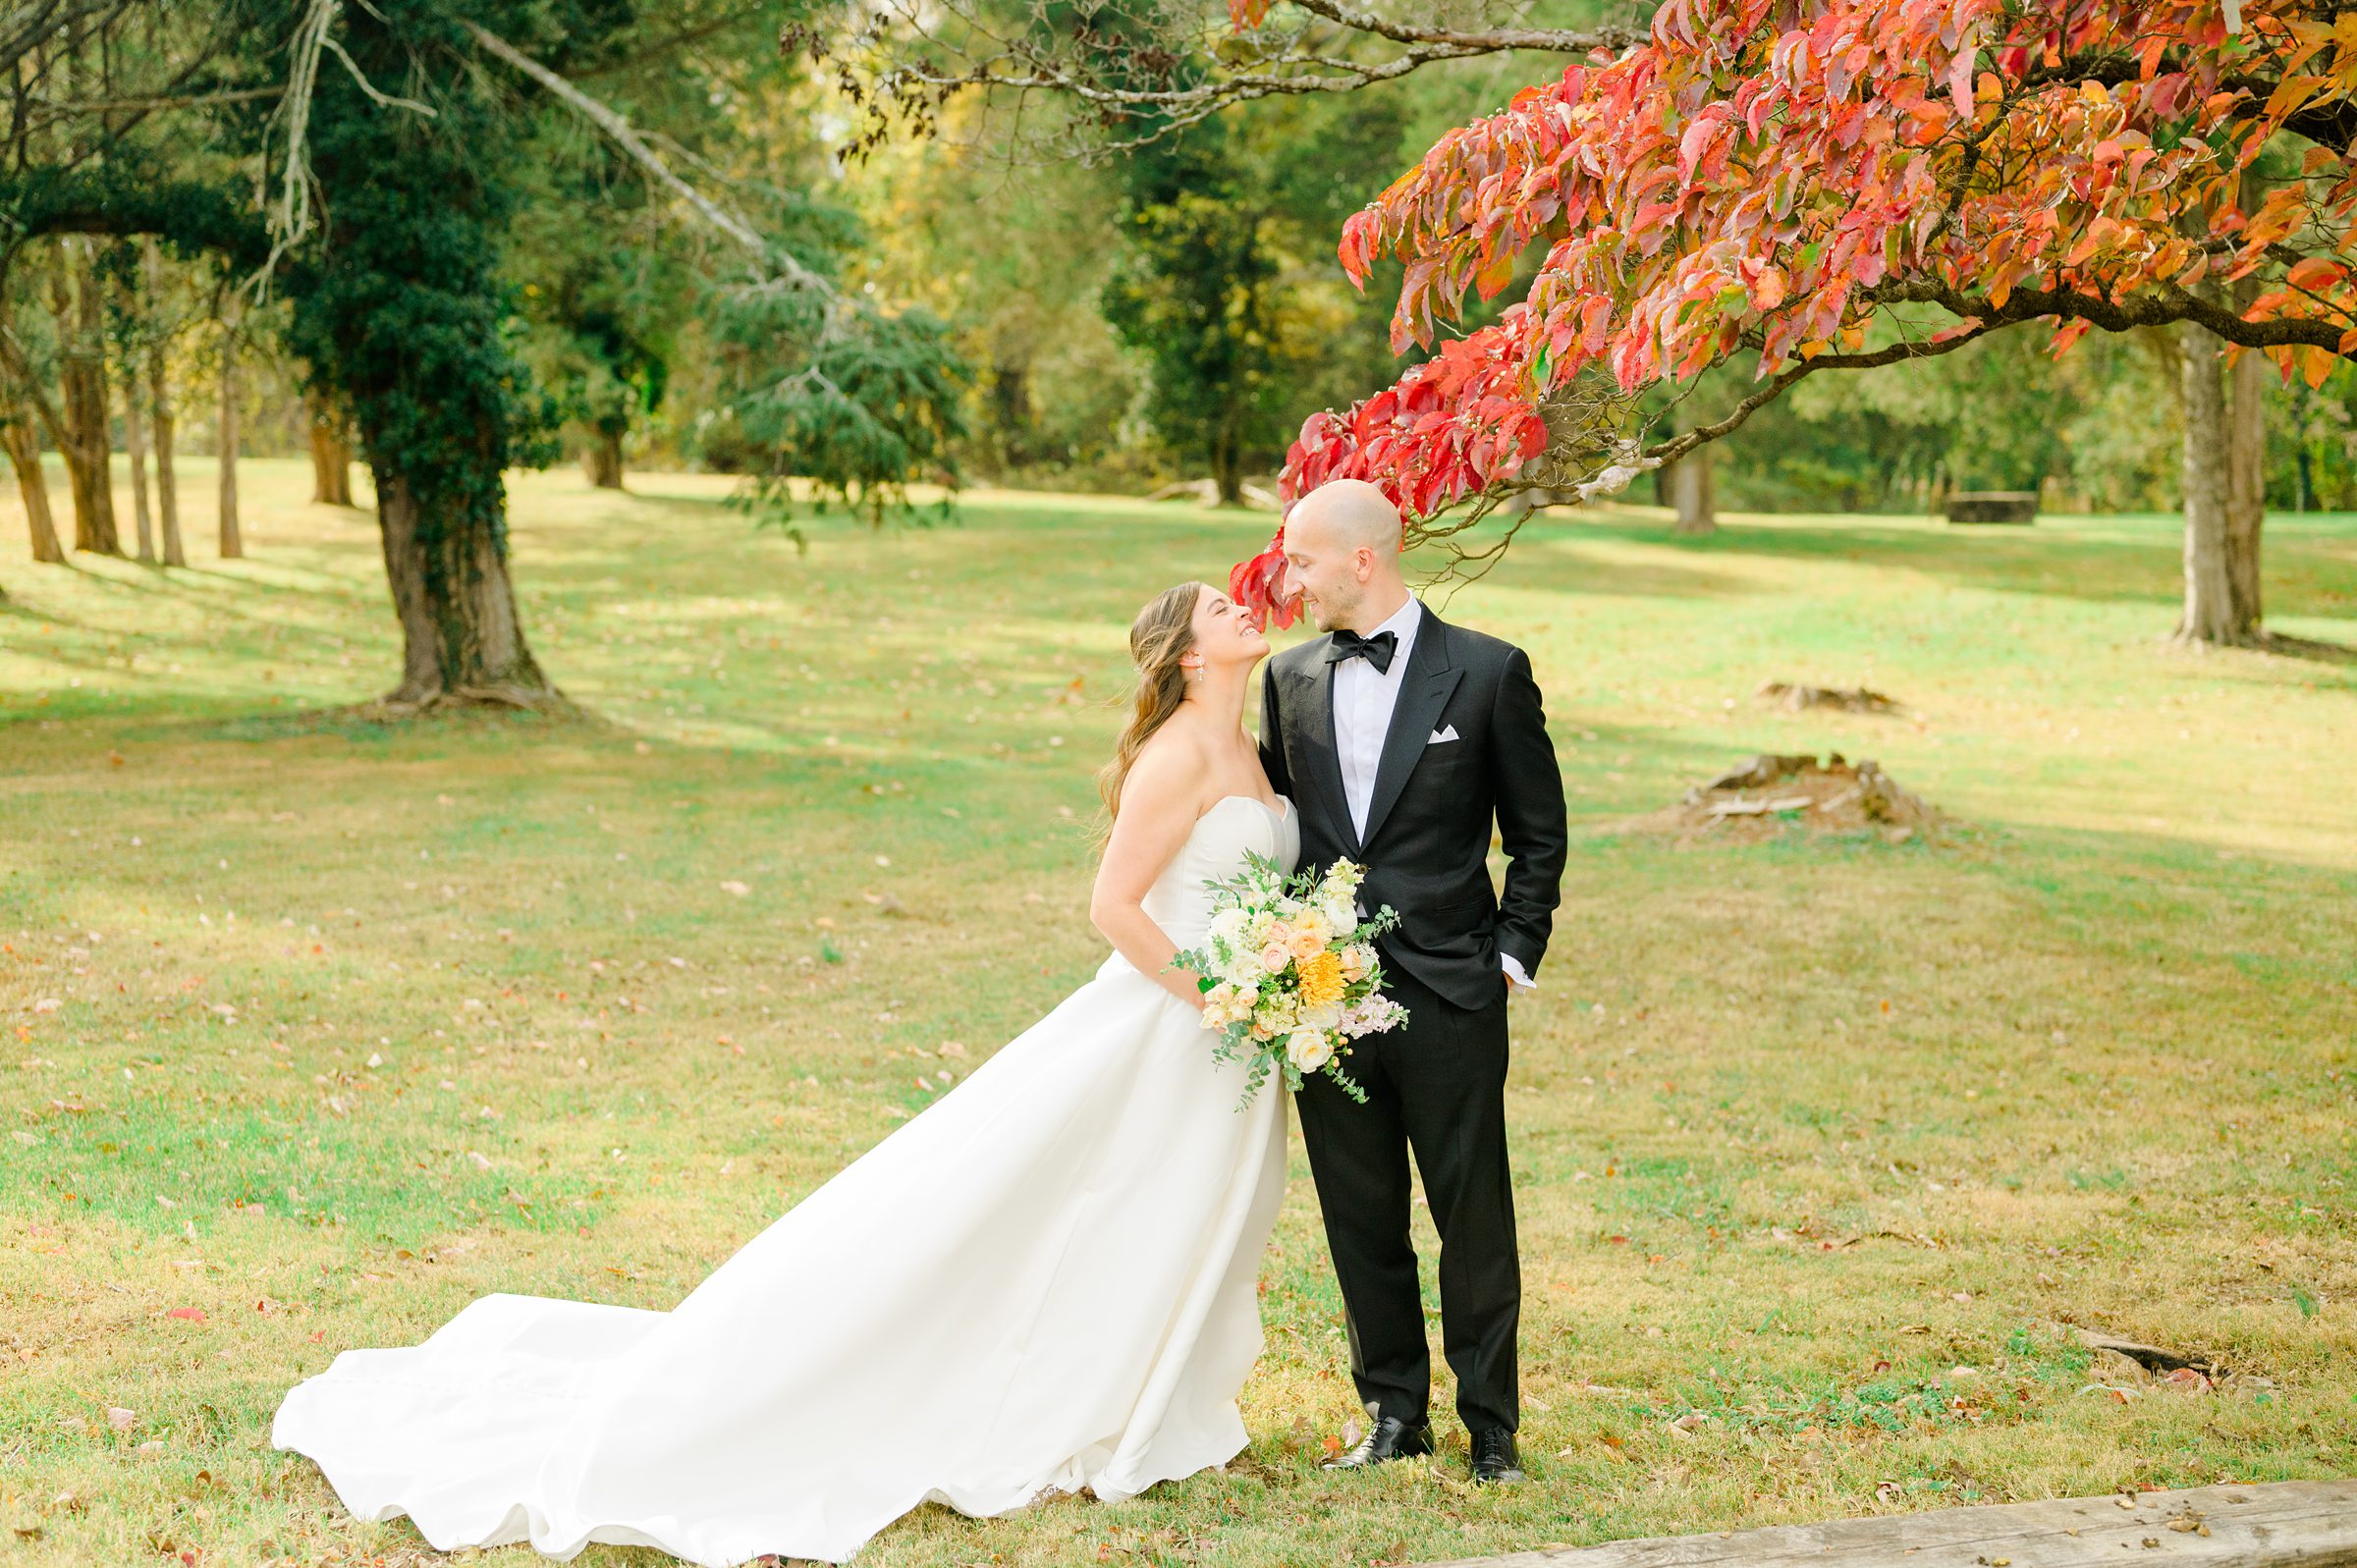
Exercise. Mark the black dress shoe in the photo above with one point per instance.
(1494, 1457)
(1388, 1438)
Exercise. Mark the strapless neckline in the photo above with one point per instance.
(1286, 800)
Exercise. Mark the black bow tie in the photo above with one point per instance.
(1376, 650)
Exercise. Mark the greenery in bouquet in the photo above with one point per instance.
(1289, 973)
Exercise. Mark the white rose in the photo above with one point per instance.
(1308, 1050)
(1228, 927)
(1328, 1017)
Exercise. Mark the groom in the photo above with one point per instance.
(1397, 736)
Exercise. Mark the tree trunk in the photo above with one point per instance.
(81, 394)
(25, 456)
(233, 541)
(1693, 493)
(1227, 460)
(331, 453)
(601, 458)
(2210, 616)
(2246, 487)
(160, 403)
(1691, 488)
(461, 641)
(134, 441)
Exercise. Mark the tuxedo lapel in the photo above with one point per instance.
(1311, 701)
(1425, 687)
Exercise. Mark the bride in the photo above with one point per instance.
(1047, 1281)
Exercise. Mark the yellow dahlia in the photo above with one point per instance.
(1321, 978)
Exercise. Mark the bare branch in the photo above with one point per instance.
(1553, 40)
(49, 109)
(290, 219)
(383, 100)
(1611, 462)
(1123, 77)
(768, 258)
(1678, 446)
(1176, 108)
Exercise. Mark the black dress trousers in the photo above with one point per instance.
(1436, 1085)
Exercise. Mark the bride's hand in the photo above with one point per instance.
(1186, 986)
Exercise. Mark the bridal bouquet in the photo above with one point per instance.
(1289, 973)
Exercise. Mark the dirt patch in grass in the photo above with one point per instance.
(1762, 796)
(1841, 699)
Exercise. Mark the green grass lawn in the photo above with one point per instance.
(319, 1029)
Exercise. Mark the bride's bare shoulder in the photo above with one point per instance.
(1169, 768)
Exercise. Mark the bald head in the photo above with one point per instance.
(1345, 515)
(1342, 555)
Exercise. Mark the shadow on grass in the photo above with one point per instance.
(368, 721)
(2308, 648)
(2130, 560)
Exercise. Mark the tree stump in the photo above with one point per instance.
(1993, 506)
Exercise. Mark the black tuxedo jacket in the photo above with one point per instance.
(1427, 842)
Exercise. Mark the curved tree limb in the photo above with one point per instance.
(2153, 307)
(1268, 62)
(1176, 108)
(771, 259)
(1552, 40)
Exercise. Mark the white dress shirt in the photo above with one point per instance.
(1363, 699)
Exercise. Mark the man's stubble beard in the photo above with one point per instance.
(1329, 613)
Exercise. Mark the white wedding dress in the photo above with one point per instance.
(1046, 1281)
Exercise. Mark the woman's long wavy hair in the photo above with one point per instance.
(1163, 632)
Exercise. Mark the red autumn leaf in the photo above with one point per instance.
(2316, 272)
(1750, 175)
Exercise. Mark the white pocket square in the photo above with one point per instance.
(1448, 732)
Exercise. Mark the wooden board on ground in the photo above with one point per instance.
(2310, 1523)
